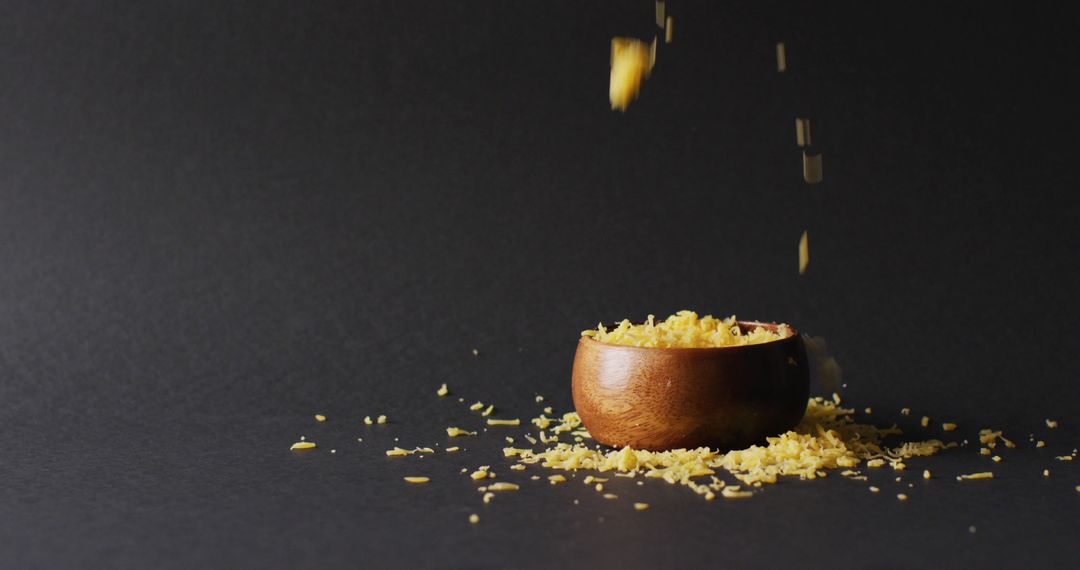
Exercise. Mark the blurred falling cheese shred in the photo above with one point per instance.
(804, 253)
(811, 168)
(669, 25)
(781, 58)
(802, 131)
(631, 62)
(659, 14)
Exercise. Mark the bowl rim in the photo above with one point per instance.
(792, 338)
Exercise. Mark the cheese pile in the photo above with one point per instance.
(685, 330)
(827, 438)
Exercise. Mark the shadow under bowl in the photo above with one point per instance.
(672, 398)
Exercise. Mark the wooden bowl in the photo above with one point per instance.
(670, 398)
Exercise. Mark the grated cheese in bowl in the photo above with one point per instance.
(685, 329)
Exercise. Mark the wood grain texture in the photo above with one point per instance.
(669, 398)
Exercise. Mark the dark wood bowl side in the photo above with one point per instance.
(654, 398)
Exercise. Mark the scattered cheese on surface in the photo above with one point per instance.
(381, 420)
(868, 411)
(474, 518)
(1064, 458)
(367, 420)
(452, 449)
(947, 426)
(488, 497)
(556, 479)
(442, 391)
(925, 421)
(905, 411)
(302, 445)
(874, 489)
(488, 411)
(517, 467)
(1051, 424)
(539, 398)
(475, 352)
(320, 418)
(984, 451)
(417, 479)
(901, 496)
(982, 475)
(456, 432)
(610, 496)
(476, 406)
(926, 474)
(641, 506)
(996, 459)
(502, 486)
(1046, 472)
(514, 422)
(684, 330)
(1040, 443)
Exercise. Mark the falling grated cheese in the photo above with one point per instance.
(514, 422)
(302, 445)
(631, 62)
(1046, 472)
(684, 329)
(417, 479)
(926, 474)
(669, 30)
(804, 249)
(1040, 443)
(456, 432)
(925, 421)
(442, 391)
(1064, 458)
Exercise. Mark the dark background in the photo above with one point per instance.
(219, 218)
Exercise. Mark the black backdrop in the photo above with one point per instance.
(219, 218)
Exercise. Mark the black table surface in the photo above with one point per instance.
(220, 218)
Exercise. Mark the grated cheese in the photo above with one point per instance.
(926, 474)
(684, 329)
(1064, 458)
(488, 411)
(804, 248)
(905, 411)
(442, 391)
(631, 62)
(514, 422)
(901, 497)
(474, 518)
(982, 475)
(827, 438)
(302, 445)
(501, 486)
(381, 420)
(456, 432)
(476, 406)
(1051, 423)
(1040, 443)
(669, 30)
(925, 421)
(452, 449)
(320, 418)
(417, 479)
(948, 426)
(641, 506)
(367, 420)
(488, 497)
(556, 479)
